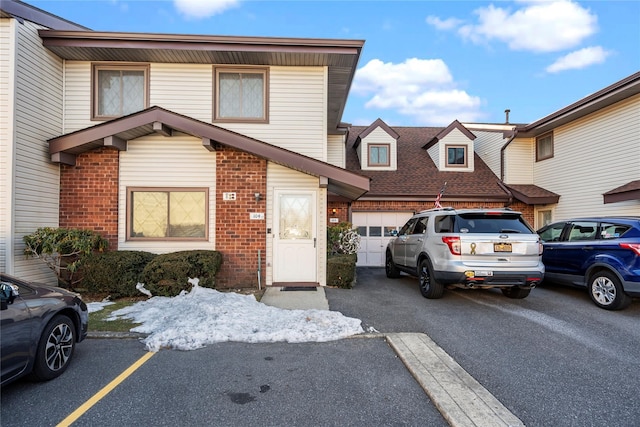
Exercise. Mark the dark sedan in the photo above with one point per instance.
(40, 327)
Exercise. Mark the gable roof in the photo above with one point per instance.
(616, 92)
(338, 55)
(376, 124)
(418, 177)
(446, 131)
(115, 133)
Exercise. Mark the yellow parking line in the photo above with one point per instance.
(105, 390)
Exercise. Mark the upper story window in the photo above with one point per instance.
(544, 147)
(167, 213)
(119, 90)
(379, 154)
(456, 155)
(241, 94)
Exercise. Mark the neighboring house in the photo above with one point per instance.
(164, 143)
(581, 160)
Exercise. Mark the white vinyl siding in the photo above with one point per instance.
(592, 156)
(183, 88)
(487, 145)
(519, 158)
(457, 139)
(336, 150)
(7, 70)
(37, 118)
(297, 102)
(156, 161)
(378, 137)
(297, 112)
(278, 178)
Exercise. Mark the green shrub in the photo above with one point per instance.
(116, 273)
(341, 270)
(168, 274)
(63, 250)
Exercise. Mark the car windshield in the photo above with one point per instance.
(490, 223)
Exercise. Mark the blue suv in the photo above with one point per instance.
(599, 253)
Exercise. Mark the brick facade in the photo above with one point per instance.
(89, 200)
(89, 194)
(342, 209)
(237, 237)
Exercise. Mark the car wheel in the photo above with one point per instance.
(606, 291)
(516, 292)
(55, 349)
(391, 268)
(429, 287)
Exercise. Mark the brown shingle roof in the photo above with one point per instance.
(418, 175)
(532, 194)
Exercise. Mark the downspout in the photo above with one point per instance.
(501, 183)
(515, 133)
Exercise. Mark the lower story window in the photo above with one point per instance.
(167, 214)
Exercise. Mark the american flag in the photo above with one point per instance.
(438, 205)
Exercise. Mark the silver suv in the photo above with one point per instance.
(467, 248)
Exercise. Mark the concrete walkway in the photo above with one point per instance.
(461, 399)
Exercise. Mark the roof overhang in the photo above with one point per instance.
(340, 56)
(533, 195)
(616, 92)
(629, 191)
(155, 120)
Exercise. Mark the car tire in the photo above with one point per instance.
(390, 268)
(606, 291)
(55, 349)
(429, 287)
(516, 292)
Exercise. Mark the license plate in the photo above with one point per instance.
(502, 247)
(480, 273)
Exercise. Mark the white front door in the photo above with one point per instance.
(295, 237)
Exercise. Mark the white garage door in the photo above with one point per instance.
(375, 231)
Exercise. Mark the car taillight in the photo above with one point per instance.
(540, 248)
(453, 243)
(635, 247)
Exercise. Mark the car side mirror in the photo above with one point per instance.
(7, 295)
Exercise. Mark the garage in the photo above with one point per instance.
(375, 231)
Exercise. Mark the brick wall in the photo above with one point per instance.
(237, 237)
(392, 206)
(89, 194)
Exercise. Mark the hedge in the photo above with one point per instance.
(115, 273)
(341, 270)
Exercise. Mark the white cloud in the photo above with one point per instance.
(423, 89)
(443, 24)
(537, 26)
(203, 8)
(579, 59)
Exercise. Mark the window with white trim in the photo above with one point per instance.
(167, 213)
(119, 90)
(241, 94)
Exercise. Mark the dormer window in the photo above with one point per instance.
(456, 155)
(379, 154)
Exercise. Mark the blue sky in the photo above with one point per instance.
(424, 63)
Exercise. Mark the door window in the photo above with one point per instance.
(296, 218)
